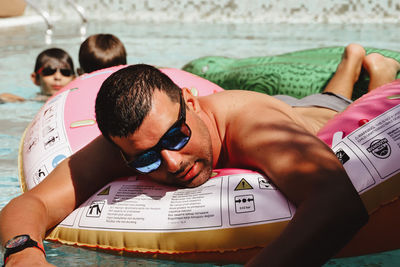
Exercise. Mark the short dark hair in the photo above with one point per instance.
(101, 51)
(56, 53)
(125, 98)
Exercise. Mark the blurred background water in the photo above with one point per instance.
(171, 33)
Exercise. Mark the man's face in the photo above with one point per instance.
(189, 166)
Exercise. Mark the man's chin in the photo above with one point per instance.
(200, 179)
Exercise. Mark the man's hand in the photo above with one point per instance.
(65, 188)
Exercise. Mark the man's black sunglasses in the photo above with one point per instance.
(175, 138)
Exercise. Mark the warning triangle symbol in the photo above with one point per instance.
(243, 185)
(105, 192)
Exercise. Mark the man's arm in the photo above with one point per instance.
(329, 210)
(47, 204)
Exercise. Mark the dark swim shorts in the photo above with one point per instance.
(324, 100)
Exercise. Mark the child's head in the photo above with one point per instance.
(53, 70)
(101, 51)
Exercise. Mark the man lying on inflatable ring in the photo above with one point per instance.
(151, 126)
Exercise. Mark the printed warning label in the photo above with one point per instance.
(191, 207)
(95, 209)
(105, 191)
(263, 183)
(145, 205)
(371, 153)
(40, 174)
(137, 205)
(357, 168)
(244, 203)
(380, 148)
(342, 156)
(262, 204)
(45, 144)
(243, 185)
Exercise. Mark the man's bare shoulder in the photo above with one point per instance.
(236, 100)
(249, 122)
(247, 107)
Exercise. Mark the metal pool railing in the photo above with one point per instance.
(47, 18)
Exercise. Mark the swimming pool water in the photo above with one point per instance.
(164, 44)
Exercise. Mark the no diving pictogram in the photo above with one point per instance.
(95, 209)
(243, 185)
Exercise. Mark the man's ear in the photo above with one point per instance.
(191, 101)
(35, 79)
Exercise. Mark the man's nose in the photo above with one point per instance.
(172, 160)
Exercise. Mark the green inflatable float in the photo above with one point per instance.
(297, 74)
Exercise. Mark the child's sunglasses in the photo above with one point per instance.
(50, 71)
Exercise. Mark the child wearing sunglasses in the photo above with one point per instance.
(53, 70)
